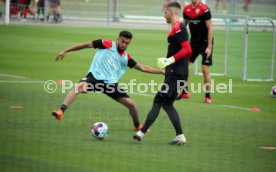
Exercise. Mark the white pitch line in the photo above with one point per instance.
(41, 82)
(12, 76)
(249, 85)
(134, 93)
(236, 107)
(142, 94)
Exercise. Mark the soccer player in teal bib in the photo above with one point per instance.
(110, 63)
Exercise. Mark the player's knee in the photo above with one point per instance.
(205, 70)
(128, 103)
(131, 105)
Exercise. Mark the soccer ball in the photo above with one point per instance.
(273, 91)
(99, 130)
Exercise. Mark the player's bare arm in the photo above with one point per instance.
(76, 47)
(148, 69)
(210, 37)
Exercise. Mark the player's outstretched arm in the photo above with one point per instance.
(148, 69)
(76, 47)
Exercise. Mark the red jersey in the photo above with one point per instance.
(196, 17)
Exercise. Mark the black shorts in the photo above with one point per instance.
(169, 90)
(55, 2)
(40, 3)
(197, 50)
(112, 90)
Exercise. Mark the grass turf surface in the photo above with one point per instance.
(219, 138)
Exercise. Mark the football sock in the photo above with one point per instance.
(153, 114)
(136, 123)
(174, 117)
(63, 107)
(207, 95)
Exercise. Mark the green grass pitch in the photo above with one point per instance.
(223, 136)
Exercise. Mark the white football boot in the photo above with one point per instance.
(139, 135)
(178, 140)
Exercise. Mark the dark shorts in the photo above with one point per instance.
(40, 3)
(169, 90)
(55, 2)
(200, 50)
(112, 90)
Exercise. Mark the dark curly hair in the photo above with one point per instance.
(125, 34)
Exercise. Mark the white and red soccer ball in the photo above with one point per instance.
(99, 130)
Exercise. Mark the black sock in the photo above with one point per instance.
(208, 95)
(63, 107)
(174, 117)
(136, 123)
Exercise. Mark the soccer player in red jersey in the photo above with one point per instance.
(198, 16)
(176, 68)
